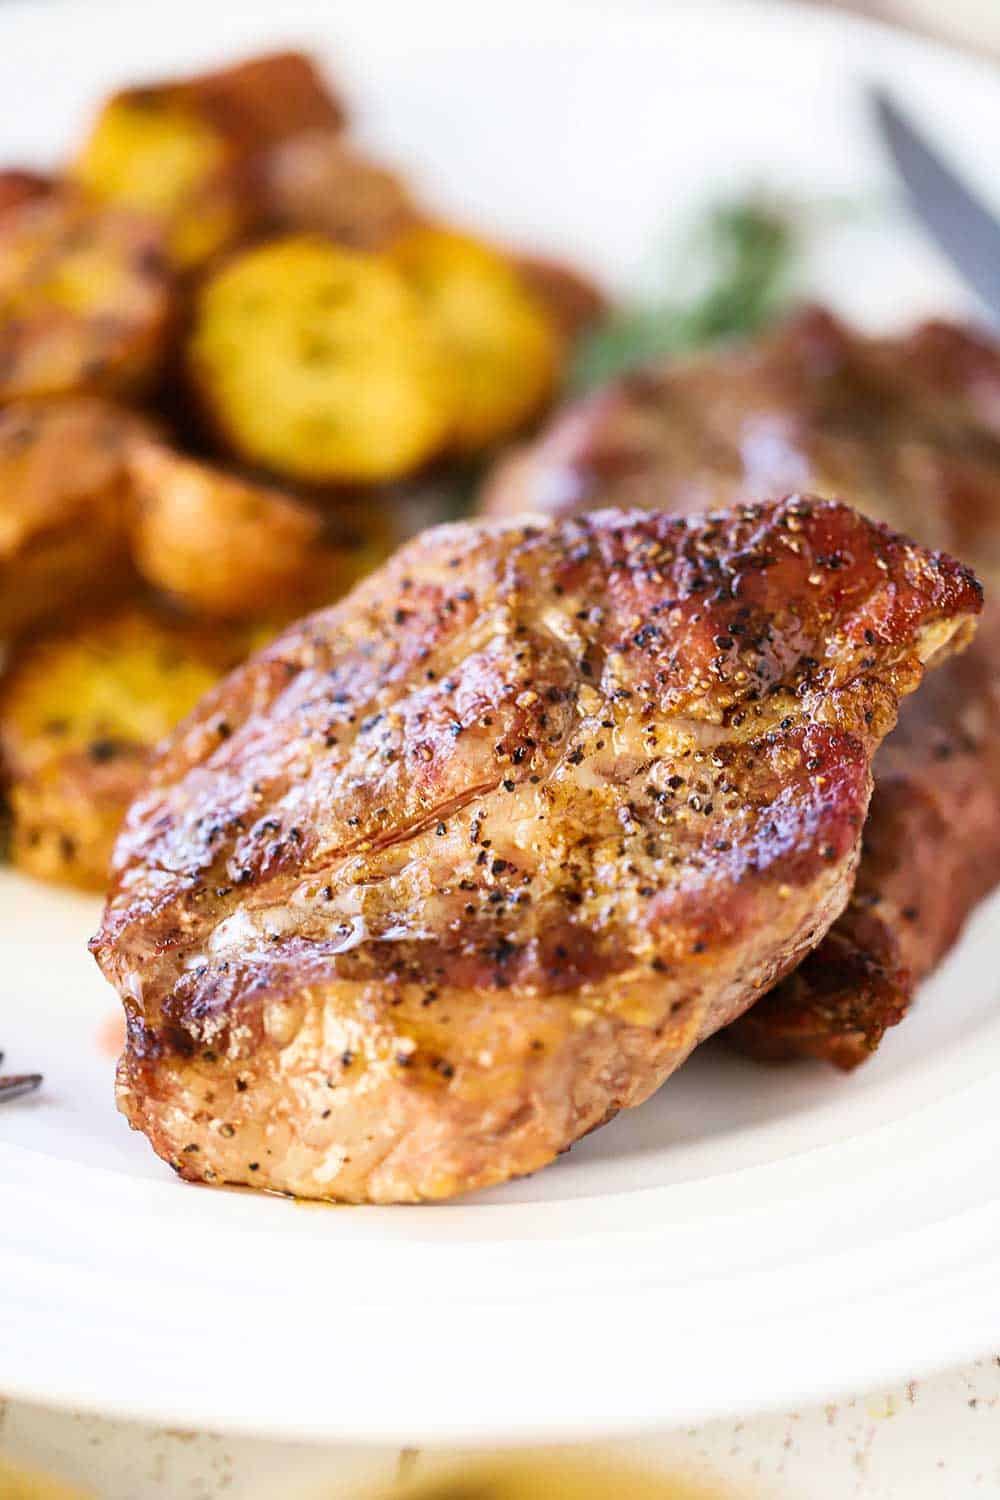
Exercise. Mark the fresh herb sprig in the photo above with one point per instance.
(741, 255)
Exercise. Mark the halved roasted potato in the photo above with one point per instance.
(320, 182)
(224, 546)
(153, 152)
(189, 151)
(320, 363)
(85, 298)
(504, 350)
(79, 713)
(63, 505)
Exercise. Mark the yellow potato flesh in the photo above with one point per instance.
(503, 348)
(320, 363)
(154, 154)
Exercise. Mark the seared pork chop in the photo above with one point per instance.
(809, 405)
(463, 865)
(910, 428)
(930, 853)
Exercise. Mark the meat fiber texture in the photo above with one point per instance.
(466, 863)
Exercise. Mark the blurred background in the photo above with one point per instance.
(975, 23)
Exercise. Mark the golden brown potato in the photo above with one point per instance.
(572, 300)
(504, 350)
(79, 713)
(224, 546)
(190, 151)
(84, 298)
(17, 187)
(320, 363)
(319, 182)
(152, 152)
(63, 496)
(266, 99)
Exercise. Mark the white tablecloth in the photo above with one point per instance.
(932, 1439)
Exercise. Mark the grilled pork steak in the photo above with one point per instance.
(910, 428)
(461, 866)
(902, 426)
(930, 853)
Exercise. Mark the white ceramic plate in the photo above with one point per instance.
(749, 1237)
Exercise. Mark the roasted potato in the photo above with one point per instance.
(17, 187)
(319, 182)
(191, 151)
(152, 152)
(504, 350)
(572, 300)
(267, 99)
(63, 494)
(79, 713)
(224, 546)
(85, 298)
(320, 363)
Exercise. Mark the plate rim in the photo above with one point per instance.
(137, 1404)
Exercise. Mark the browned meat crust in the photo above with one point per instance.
(837, 1005)
(910, 428)
(931, 852)
(463, 865)
(812, 403)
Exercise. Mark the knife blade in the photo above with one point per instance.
(962, 225)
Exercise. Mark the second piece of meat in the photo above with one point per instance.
(910, 428)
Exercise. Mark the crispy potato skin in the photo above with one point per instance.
(504, 350)
(319, 182)
(224, 546)
(80, 711)
(150, 151)
(85, 299)
(63, 505)
(574, 302)
(489, 846)
(320, 364)
(18, 186)
(192, 151)
(267, 99)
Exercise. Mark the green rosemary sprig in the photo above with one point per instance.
(741, 256)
